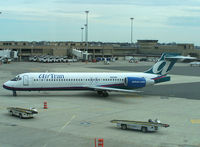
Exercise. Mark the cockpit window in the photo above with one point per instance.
(17, 78)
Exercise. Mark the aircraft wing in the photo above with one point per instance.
(112, 89)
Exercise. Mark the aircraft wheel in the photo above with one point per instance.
(105, 94)
(123, 127)
(20, 116)
(144, 129)
(11, 113)
(99, 92)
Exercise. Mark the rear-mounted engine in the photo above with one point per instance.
(134, 82)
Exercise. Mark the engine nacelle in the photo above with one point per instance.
(135, 82)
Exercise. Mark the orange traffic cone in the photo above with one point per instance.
(99, 142)
(45, 105)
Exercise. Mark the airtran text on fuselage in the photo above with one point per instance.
(51, 76)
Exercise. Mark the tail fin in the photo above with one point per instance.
(164, 64)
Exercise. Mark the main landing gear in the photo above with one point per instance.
(103, 93)
(14, 93)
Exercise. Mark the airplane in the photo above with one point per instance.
(101, 82)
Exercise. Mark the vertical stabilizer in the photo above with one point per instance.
(164, 64)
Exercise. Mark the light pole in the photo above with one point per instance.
(86, 30)
(82, 34)
(131, 30)
(85, 36)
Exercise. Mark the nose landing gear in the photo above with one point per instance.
(14, 93)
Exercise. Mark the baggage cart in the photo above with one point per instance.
(149, 126)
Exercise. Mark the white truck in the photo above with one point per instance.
(150, 126)
(22, 112)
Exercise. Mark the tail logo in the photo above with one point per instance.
(164, 65)
(161, 67)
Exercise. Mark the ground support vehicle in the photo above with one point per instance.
(150, 126)
(22, 112)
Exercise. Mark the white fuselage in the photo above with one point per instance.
(72, 81)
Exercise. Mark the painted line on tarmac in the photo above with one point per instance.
(195, 121)
(67, 123)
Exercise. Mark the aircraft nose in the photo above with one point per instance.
(5, 85)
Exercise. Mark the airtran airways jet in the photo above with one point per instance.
(100, 82)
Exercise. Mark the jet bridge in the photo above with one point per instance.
(80, 55)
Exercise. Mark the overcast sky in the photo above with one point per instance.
(109, 20)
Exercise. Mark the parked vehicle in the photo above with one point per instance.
(50, 59)
(65, 59)
(150, 126)
(22, 112)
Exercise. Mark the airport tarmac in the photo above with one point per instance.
(76, 118)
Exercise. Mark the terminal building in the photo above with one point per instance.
(97, 49)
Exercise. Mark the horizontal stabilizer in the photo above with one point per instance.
(181, 57)
(161, 79)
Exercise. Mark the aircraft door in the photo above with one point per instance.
(25, 80)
